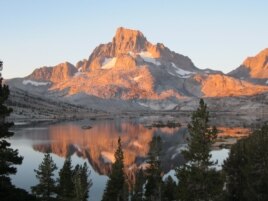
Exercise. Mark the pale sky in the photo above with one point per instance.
(214, 34)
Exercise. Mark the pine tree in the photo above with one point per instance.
(82, 183)
(8, 156)
(198, 180)
(46, 188)
(66, 184)
(153, 188)
(170, 189)
(246, 168)
(116, 186)
(138, 186)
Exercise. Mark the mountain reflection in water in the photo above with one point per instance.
(95, 145)
(98, 144)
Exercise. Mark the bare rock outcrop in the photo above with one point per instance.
(63, 72)
(254, 69)
(125, 62)
(127, 40)
(41, 74)
(55, 74)
(223, 86)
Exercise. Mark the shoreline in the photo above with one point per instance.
(227, 136)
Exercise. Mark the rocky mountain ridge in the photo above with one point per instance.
(254, 69)
(132, 71)
(61, 72)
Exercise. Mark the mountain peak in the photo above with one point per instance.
(126, 32)
(134, 43)
(58, 73)
(258, 61)
(254, 68)
(128, 40)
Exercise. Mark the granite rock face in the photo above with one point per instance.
(130, 68)
(254, 69)
(55, 74)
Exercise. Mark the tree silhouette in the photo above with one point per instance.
(8, 156)
(46, 188)
(66, 184)
(116, 186)
(153, 188)
(246, 168)
(198, 180)
(138, 190)
(82, 183)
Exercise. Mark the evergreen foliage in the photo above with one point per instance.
(198, 180)
(65, 181)
(46, 188)
(81, 182)
(138, 186)
(116, 186)
(8, 156)
(170, 190)
(246, 168)
(153, 188)
(201, 138)
(9, 192)
(73, 184)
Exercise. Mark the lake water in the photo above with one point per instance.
(96, 147)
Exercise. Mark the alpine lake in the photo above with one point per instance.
(94, 141)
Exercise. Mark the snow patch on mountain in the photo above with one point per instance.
(158, 106)
(34, 83)
(171, 73)
(146, 54)
(80, 72)
(147, 57)
(143, 104)
(108, 63)
(180, 72)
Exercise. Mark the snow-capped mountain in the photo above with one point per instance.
(131, 69)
